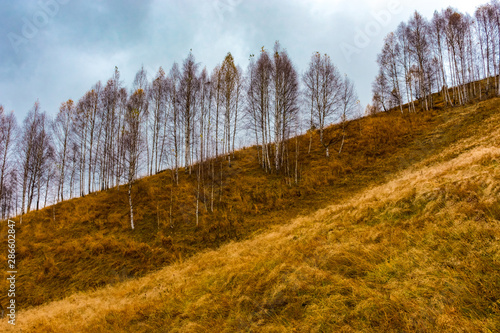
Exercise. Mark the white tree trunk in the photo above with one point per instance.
(130, 205)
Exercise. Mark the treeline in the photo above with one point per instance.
(188, 117)
(449, 53)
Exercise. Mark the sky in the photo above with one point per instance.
(55, 50)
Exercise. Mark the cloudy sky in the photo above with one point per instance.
(54, 50)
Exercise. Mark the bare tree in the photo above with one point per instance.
(259, 100)
(110, 120)
(405, 60)
(136, 109)
(174, 106)
(61, 128)
(33, 147)
(8, 127)
(388, 61)
(188, 88)
(158, 99)
(80, 130)
(381, 95)
(418, 32)
(217, 96)
(495, 19)
(45, 158)
(141, 82)
(27, 152)
(438, 26)
(323, 87)
(286, 98)
(349, 103)
(230, 93)
(119, 142)
(251, 110)
(92, 108)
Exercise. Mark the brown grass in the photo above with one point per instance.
(414, 251)
(89, 238)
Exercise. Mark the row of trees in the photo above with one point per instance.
(187, 117)
(452, 49)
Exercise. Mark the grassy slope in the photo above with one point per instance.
(416, 253)
(86, 243)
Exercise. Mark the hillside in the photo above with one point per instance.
(416, 252)
(86, 243)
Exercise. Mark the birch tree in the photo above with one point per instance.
(259, 99)
(174, 106)
(323, 87)
(188, 88)
(286, 95)
(158, 101)
(8, 127)
(136, 109)
(230, 91)
(62, 136)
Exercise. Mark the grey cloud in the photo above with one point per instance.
(83, 42)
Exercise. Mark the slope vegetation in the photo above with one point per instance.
(411, 245)
(86, 243)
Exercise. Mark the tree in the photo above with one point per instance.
(230, 78)
(141, 82)
(109, 119)
(349, 103)
(380, 89)
(388, 61)
(61, 128)
(457, 30)
(495, 18)
(286, 95)
(119, 143)
(251, 110)
(174, 105)
(438, 25)
(33, 147)
(217, 96)
(323, 87)
(188, 89)
(158, 99)
(8, 128)
(90, 109)
(259, 100)
(136, 109)
(405, 61)
(418, 32)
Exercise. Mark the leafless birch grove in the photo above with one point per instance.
(193, 119)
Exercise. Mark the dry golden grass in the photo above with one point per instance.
(418, 253)
(86, 243)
